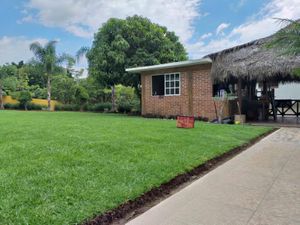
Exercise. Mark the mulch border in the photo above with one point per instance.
(133, 208)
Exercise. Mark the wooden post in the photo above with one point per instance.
(264, 99)
(239, 93)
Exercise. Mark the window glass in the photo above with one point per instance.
(158, 85)
(172, 84)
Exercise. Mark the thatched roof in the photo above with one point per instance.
(254, 60)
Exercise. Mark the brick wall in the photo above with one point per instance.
(195, 98)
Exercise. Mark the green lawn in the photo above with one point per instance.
(61, 168)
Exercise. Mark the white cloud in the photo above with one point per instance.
(205, 36)
(259, 25)
(220, 29)
(15, 49)
(84, 17)
(237, 6)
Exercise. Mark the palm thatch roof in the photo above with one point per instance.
(254, 61)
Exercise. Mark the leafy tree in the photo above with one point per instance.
(36, 74)
(10, 84)
(81, 96)
(49, 60)
(135, 41)
(95, 90)
(24, 97)
(63, 88)
(38, 92)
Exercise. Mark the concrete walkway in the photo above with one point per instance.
(260, 186)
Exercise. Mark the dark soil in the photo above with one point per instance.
(133, 208)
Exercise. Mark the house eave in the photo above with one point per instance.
(170, 65)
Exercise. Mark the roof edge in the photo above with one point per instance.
(170, 65)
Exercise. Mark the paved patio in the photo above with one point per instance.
(260, 186)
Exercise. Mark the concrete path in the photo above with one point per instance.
(260, 186)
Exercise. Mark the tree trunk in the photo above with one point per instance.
(113, 100)
(49, 92)
(1, 98)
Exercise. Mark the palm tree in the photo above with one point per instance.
(47, 57)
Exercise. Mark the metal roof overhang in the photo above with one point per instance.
(170, 65)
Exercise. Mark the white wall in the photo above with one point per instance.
(288, 91)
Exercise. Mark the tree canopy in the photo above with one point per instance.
(135, 41)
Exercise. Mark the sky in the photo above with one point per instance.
(203, 26)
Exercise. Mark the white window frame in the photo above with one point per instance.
(165, 84)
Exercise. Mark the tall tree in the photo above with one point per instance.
(135, 41)
(47, 57)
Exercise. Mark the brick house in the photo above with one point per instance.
(180, 88)
(187, 88)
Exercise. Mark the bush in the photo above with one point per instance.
(24, 97)
(100, 107)
(132, 107)
(136, 106)
(67, 107)
(125, 107)
(32, 106)
(11, 106)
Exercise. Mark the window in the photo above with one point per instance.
(172, 84)
(167, 84)
(158, 85)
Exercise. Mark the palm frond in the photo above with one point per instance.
(82, 52)
(284, 21)
(67, 59)
(37, 50)
(288, 39)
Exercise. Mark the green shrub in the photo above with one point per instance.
(67, 107)
(32, 106)
(24, 97)
(58, 107)
(125, 107)
(11, 106)
(100, 107)
(136, 106)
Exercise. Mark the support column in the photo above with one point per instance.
(190, 94)
(239, 93)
